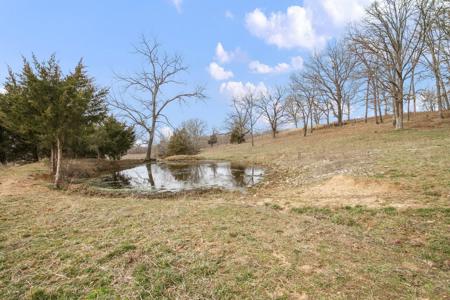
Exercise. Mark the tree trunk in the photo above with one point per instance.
(367, 100)
(438, 92)
(35, 153)
(151, 135)
(328, 115)
(58, 175)
(399, 112)
(444, 94)
(408, 104)
(348, 110)
(339, 116)
(375, 109)
(305, 124)
(375, 100)
(55, 157)
(3, 159)
(251, 135)
(148, 155)
(413, 89)
(52, 159)
(379, 108)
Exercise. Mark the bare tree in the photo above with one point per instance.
(332, 71)
(272, 107)
(435, 38)
(304, 93)
(429, 100)
(368, 70)
(237, 121)
(244, 115)
(153, 84)
(391, 32)
(196, 130)
(249, 105)
(293, 113)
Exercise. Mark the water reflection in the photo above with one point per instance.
(178, 177)
(116, 181)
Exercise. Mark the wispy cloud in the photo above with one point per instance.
(219, 73)
(178, 5)
(238, 89)
(261, 68)
(229, 14)
(226, 56)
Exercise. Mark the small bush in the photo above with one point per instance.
(237, 136)
(180, 143)
(212, 140)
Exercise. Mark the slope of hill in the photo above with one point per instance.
(355, 212)
(360, 163)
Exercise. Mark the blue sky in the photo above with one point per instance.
(261, 42)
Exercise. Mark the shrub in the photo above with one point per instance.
(237, 135)
(180, 143)
(212, 139)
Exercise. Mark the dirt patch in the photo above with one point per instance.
(347, 190)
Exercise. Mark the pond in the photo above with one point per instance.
(176, 177)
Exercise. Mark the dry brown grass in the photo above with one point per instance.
(361, 154)
(322, 225)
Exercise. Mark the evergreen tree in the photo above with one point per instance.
(114, 138)
(52, 106)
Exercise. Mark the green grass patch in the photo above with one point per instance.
(117, 252)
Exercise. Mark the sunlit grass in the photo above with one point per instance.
(268, 243)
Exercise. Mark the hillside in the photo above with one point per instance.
(361, 211)
(360, 163)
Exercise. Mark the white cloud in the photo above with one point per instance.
(305, 27)
(229, 14)
(222, 55)
(166, 132)
(293, 29)
(341, 11)
(260, 68)
(2, 90)
(238, 89)
(219, 73)
(177, 4)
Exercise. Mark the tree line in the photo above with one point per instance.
(46, 113)
(397, 54)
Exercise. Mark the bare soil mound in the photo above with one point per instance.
(348, 190)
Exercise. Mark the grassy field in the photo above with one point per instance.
(356, 212)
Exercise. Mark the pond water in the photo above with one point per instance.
(175, 177)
